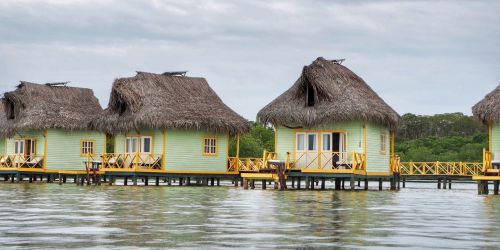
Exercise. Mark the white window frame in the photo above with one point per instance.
(209, 146)
(143, 144)
(87, 147)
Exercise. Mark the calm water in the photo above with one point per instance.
(70, 216)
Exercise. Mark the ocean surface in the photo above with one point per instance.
(39, 215)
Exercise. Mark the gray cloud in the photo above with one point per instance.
(420, 56)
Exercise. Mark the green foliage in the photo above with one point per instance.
(110, 144)
(441, 137)
(254, 143)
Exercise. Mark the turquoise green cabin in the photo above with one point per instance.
(50, 131)
(168, 123)
(330, 120)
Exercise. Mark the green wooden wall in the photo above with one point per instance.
(183, 150)
(495, 140)
(2, 146)
(376, 160)
(63, 148)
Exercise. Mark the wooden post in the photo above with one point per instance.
(444, 183)
(404, 182)
(64, 178)
(449, 183)
(439, 183)
(307, 182)
(263, 184)
(212, 182)
(146, 180)
(479, 187)
(486, 191)
(322, 183)
(337, 183)
(134, 180)
(298, 183)
(245, 183)
(252, 184)
(359, 182)
(60, 179)
(353, 183)
(235, 182)
(181, 180)
(157, 181)
(311, 182)
(218, 182)
(379, 183)
(125, 180)
(495, 187)
(366, 184)
(293, 182)
(343, 181)
(169, 181)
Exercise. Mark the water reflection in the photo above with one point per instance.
(70, 216)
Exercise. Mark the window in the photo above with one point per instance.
(327, 142)
(87, 147)
(311, 142)
(19, 147)
(209, 146)
(301, 142)
(136, 144)
(383, 142)
(25, 147)
(146, 144)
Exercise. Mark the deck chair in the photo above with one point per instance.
(150, 162)
(34, 163)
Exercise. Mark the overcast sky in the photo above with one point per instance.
(423, 57)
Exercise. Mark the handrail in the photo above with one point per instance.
(135, 161)
(441, 168)
(16, 161)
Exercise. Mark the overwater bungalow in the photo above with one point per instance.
(167, 123)
(331, 121)
(45, 127)
(487, 111)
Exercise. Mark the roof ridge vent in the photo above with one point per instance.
(338, 61)
(57, 84)
(175, 73)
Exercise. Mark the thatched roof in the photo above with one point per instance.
(327, 92)
(488, 109)
(38, 106)
(161, 101)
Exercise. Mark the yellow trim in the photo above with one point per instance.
(105, 143)
(40, 170)
(378, 173)
(259, 176)
(337, 171)
(46, 140)
(163, 149)
(489, 136)
(485, 178)
(275, 139)
(207, 137)
(237, 145)
(81, 146)
(364, 138)
(199, 172)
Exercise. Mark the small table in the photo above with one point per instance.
(94, 164)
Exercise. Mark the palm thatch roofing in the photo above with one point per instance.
(488, 109)
(161, 101)
(325, 93)
(35, 106)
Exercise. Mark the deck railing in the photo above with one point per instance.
(395, 164)
(441, 168)
(131, 162)
(17, 161)
(486, 160)
(235, 164)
